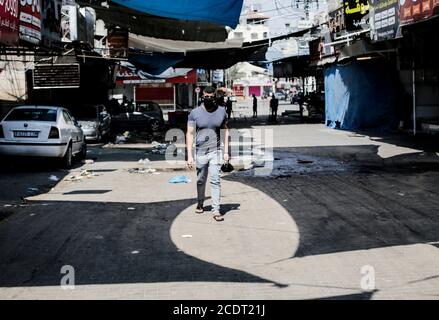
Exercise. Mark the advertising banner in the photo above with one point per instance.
(9, 22)
(415, 10)
(30, 21)
(384, 19)
(356, 14)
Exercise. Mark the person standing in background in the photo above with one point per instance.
(255, 106)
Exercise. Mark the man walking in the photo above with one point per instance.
(255, 106)
(274, 104)
(207, 121)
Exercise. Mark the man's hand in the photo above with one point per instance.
(190, 162)
(226, 157)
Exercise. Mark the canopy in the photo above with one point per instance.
(157, 27)
(222, 58)
(154, 64)
(222, 12)
(165, 45)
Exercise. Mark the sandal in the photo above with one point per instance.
(199, 209)
(218, 216)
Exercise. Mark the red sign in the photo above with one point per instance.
(238, 90)
(30, 21)
(191, 77)
(9, 22)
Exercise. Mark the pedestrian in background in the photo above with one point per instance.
(255, 106)
(274, 104)
(229, 107)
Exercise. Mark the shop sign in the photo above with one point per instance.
(9, 22)
(384, 19)
(356, 13)
(30, 21)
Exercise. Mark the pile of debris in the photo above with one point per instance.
(159, 148)
(85, 174)
(146, 169)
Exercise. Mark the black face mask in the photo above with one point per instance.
(209, 103)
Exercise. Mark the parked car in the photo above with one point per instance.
(94, 120)
(147, 117)
(42, 131)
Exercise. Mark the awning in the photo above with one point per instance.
(128, 73)
(222, 12)
(222, 59)
(165, 45)
(154, 64)
(157, 27)
(296, 66)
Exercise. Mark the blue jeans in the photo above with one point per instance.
(209, 163)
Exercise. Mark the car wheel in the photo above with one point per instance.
(155, 125)
(68, 158)
(83, 153)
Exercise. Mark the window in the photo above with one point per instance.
(238, 34)
(67, 117)
(287, 25)
(32, 115)
(265, 35)
(254, 36)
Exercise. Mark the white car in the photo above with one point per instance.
(42, 131)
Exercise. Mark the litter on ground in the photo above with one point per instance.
(53, 178)
(179, 179)
(83, 175)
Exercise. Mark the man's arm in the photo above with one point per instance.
(189, 146)
(226, 142)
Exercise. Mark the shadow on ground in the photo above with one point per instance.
(106, 243)
(360, 208)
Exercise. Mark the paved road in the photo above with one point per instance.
(335, 205)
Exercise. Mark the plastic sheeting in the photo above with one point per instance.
(154, 64)
(361, 95)
(223, 12)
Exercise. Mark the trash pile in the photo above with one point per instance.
(146, 169)
(159, 148)
(85, 174)
(122, 138)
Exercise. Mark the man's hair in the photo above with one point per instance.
(209, 90)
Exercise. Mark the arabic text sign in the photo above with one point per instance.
(384, 20)
(356, 14)
(30, 21)
(9, 22)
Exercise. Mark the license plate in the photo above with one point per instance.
(26, 134)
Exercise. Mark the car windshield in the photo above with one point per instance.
(32, 114)
(84, 112)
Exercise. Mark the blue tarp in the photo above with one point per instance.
(361, 95)
(223, 12)
(155, 64)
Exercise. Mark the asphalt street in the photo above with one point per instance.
(333, 205)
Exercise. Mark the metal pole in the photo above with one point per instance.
(175, 97)
(414, 97)
(134, 94)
